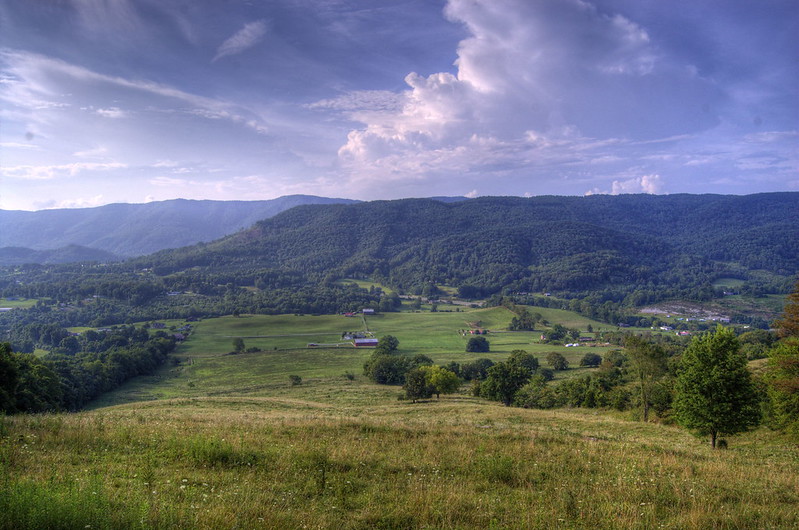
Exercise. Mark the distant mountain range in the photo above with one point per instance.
(118, 231)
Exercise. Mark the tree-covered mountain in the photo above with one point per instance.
(598, 255)
(136, 229)
(68, 254)
(565, 244)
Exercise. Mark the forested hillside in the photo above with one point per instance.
(136, 229)
(565, 244)
(68, 254)
(601, 255)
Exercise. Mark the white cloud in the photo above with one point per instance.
(84, 202)
(651, 184)
(112, 112)
(537, 85)
(57, 171)
(94, 152)
(247, 37)
(16, 145)
(38, 81)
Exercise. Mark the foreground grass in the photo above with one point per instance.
(224, 441)
(287, 462)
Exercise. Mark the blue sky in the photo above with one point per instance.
(106, 101)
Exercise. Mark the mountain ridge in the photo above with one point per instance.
(129, 230)
(530, 244)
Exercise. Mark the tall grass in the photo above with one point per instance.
(456, 463)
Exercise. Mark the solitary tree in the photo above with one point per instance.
(387, 345)
(557, 361)
(238, 345)
(715, 394)
(478, 345)
(591, 359)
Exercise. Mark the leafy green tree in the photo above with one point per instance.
(788, 325)
(442, 380)
(9, 378)
(557, 361)
(387, 369)
(478, 345)
(295, 380)
(417, 385)
(476, 370)
(536, 394)
(524, 359)
(714, 392)
(503, 381)
(648, 364)
(782, 379)
(238, 345)
(591, 359)
(387, 345)
(420, 359)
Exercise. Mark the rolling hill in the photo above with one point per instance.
(531, 244)
(128, 230)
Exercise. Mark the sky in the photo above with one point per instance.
(107, 101)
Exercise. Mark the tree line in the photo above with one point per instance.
(78, 369)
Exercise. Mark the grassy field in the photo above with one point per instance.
(225, 441)
(23, 303)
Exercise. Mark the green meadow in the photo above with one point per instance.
(215, 440)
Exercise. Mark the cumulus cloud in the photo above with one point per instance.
(536, 84)
(251, 34)
(651, 184)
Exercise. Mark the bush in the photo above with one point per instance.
(557, 361)
(295, 380)
(476, 370)
(591, 359)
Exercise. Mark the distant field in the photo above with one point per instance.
(366, 284)
(206, 369)
(728, 282)
(23, 303)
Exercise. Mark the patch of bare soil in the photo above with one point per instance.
(684, 309)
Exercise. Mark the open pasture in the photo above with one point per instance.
(299, 459)
(216, 440)
(207, 369)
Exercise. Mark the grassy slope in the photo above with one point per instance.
(240, 446)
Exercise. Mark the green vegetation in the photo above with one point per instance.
(459, 462)
(232, 438)
(714, 392)
(268, 416)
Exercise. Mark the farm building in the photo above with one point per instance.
(365, 343)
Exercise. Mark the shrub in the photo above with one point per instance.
(591, 359)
